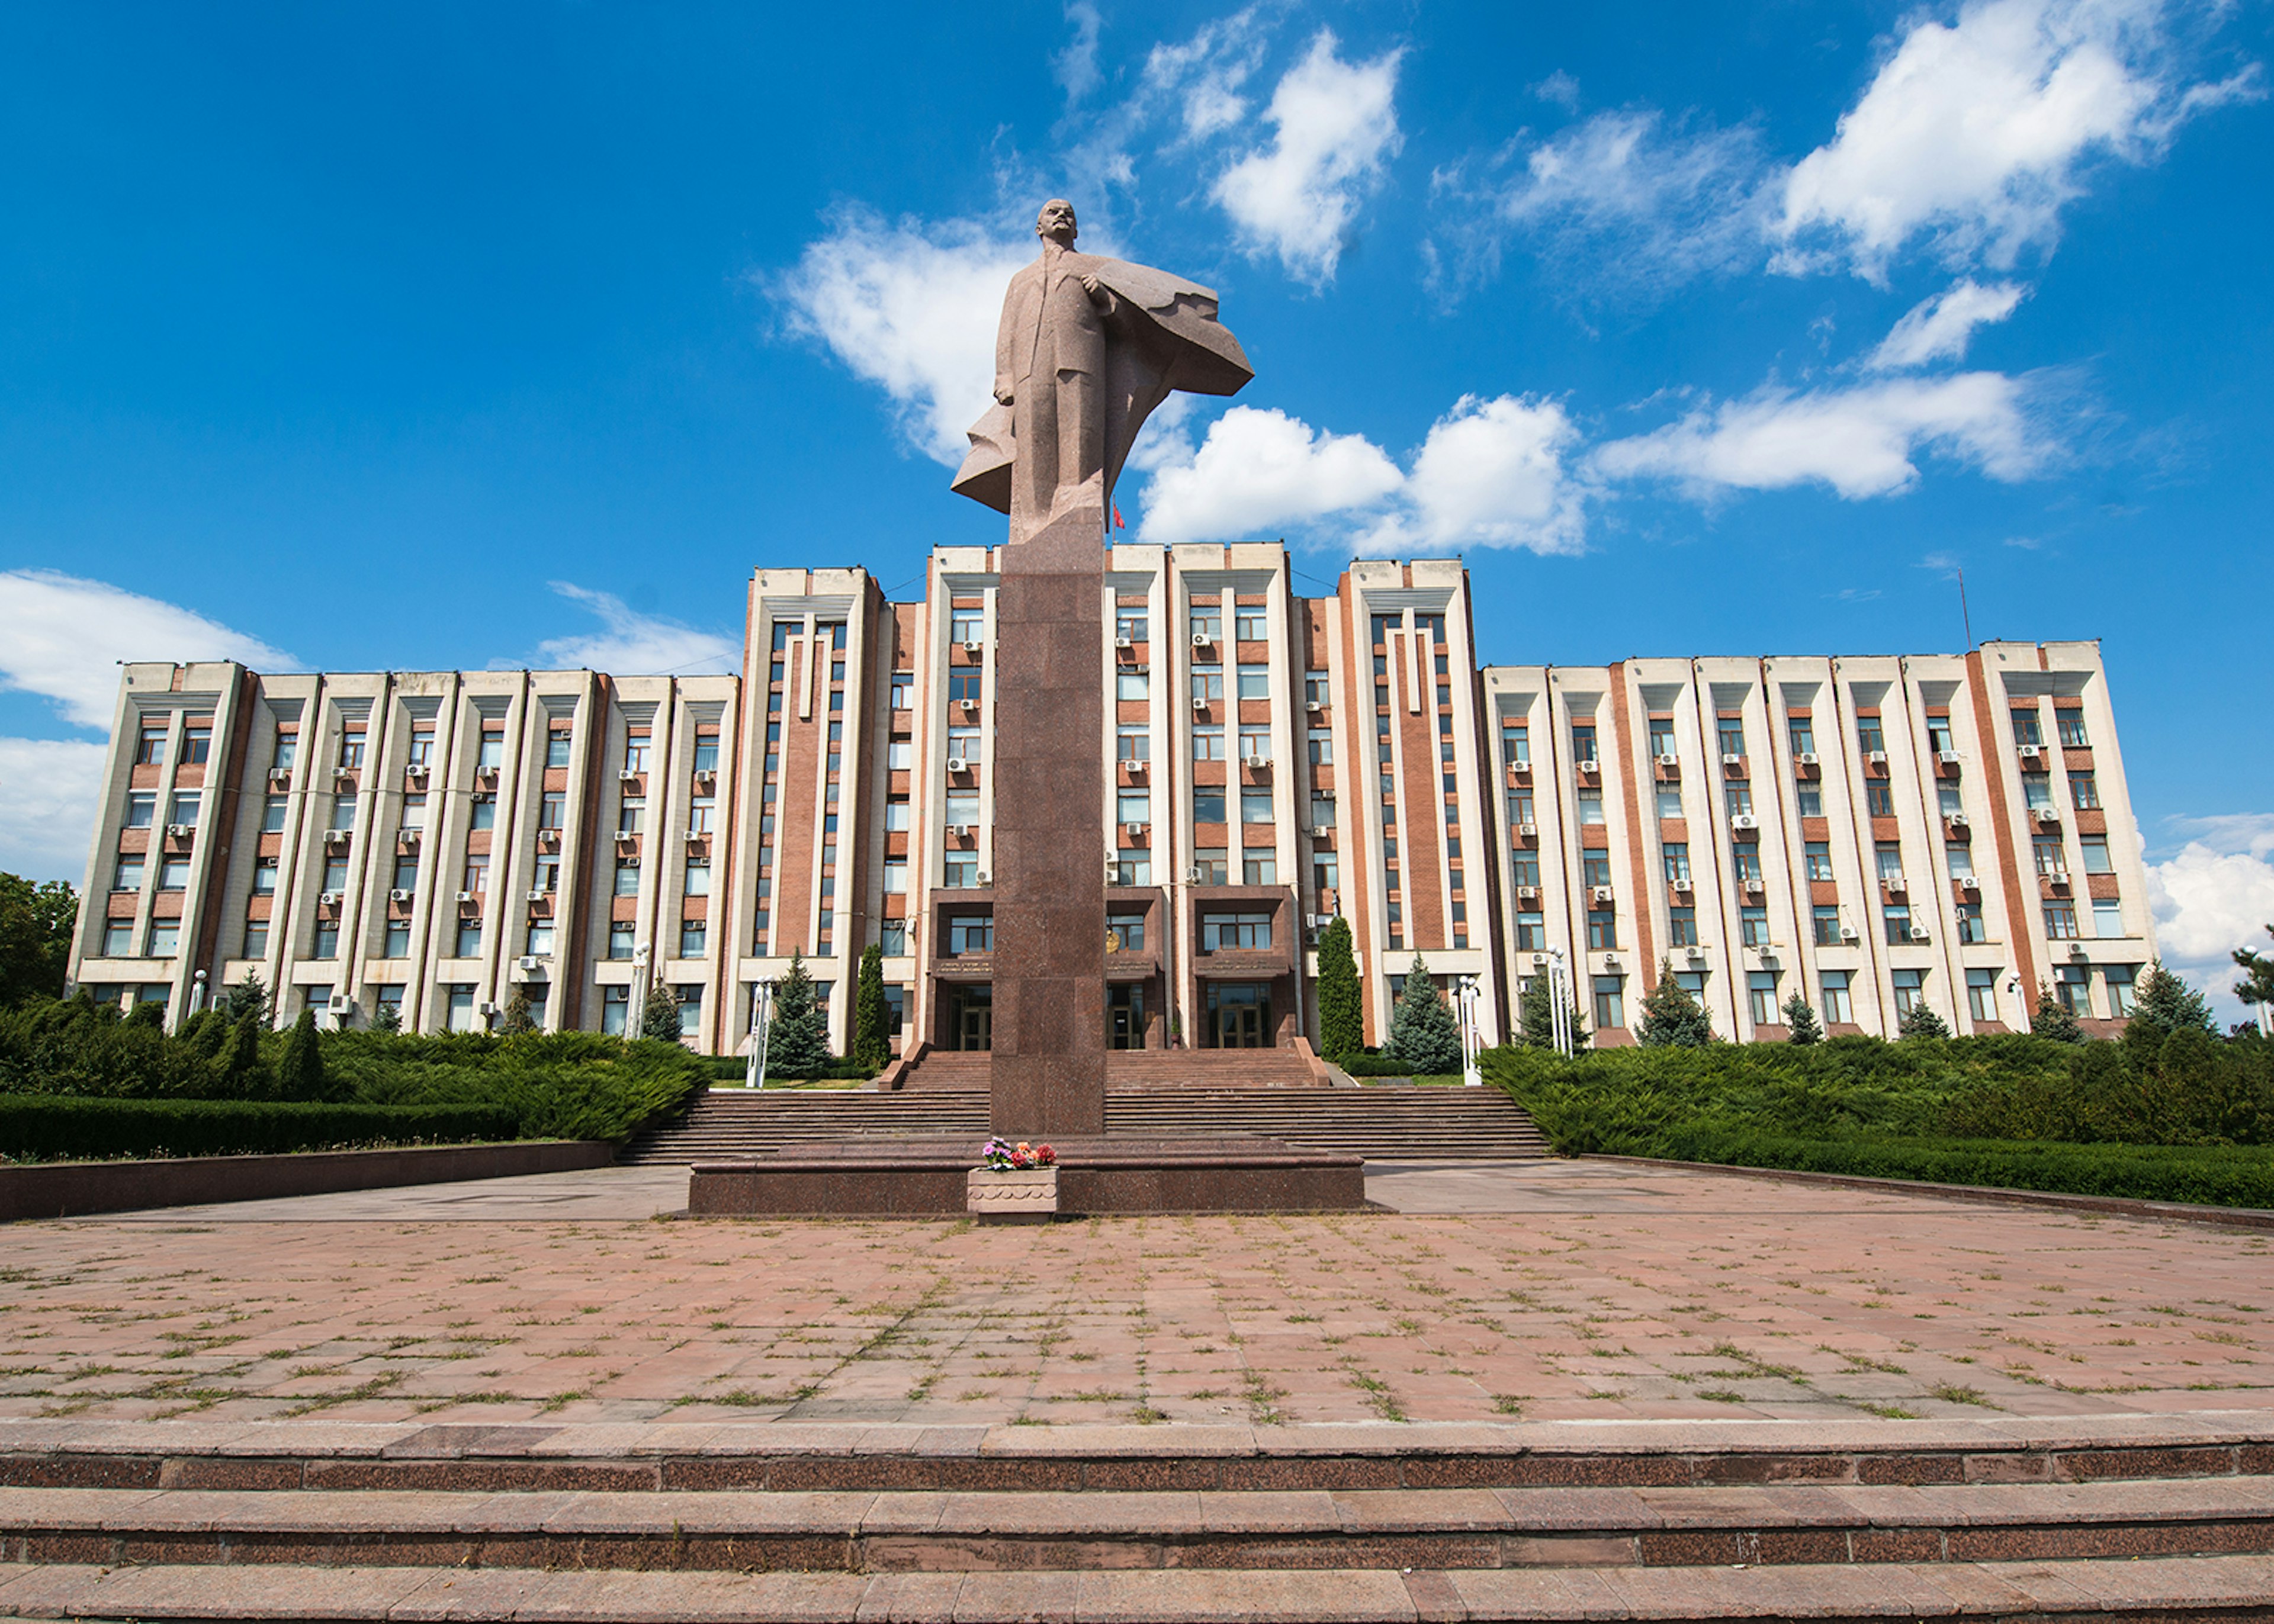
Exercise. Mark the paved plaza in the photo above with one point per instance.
(1540, 1290)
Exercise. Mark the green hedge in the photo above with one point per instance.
(51, 1127)
(2216, 1175)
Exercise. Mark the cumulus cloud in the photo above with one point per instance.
(1259, 470)
(48, 791)
(912, 308)
(1492, 474)
(1861, 441)
(62, 638)
(1336, 124)
(1202, 77)
(1076, 65)
(631, 643)
(2214, 895)
(1974, 133)
(1940, 329)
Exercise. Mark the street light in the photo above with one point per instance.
(1467, 993)
(1559, 1001)
(762, 1026)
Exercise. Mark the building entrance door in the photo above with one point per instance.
(975, 1017)
(1239, 1015)
(1125, 1017)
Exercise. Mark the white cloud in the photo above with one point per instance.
(1202, 78)
(1076, 66)
(1860, 441)
(49, 792)
(1337, 122)
(62, 638)
(1492, 474)
(1940, 329)
(1974, 133)
(2213, 895)
(631, 643)
(912, 308)
(1258, 471)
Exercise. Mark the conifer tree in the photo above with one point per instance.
(1671, 1019)
(300, 1073)
(238, 1072)
(1341, 1015)
(872, 1016)
(252, 994)
(519, 1016)
(387, 1018)
(1535, 1016)
(1800, 1022)
(1424, 1037)
(2052, 1018)
(659, 1015)
(2165, 1003)
(798, 1044)
(2256, 986)
(1921, 1021)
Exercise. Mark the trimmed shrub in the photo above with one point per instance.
(49, 1127)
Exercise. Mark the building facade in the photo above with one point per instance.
(1870, 832)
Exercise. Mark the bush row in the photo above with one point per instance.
(49, 1127)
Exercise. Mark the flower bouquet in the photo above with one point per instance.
(1000, 1154)
(1013, 1184)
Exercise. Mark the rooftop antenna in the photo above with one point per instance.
(1967, 619)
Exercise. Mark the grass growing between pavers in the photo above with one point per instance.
(1728, 1300)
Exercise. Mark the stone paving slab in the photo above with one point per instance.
(1634, 1293)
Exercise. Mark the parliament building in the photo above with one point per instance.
(1872, 832)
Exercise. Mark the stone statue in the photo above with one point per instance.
(1087, 347)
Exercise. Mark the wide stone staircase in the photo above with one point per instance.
(2033, 1521)
(1390, 1123)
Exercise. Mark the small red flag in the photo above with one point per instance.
(1117, 524)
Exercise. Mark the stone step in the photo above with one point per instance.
(2171, 1590)
(923, 1531)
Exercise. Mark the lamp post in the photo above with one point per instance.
(1466, 993)
(2013, 985)
(1559, 1001)
(762, 1026)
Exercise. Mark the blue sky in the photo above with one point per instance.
(416, 336)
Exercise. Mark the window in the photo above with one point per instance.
(2027, 728)
(1761, 997)
(1676, 856)
(118, 938)
(1958, 857)
(1133, 685)
(2120, 978)
(142, 810)
(2037, 790)
(1255, 683)
(197, 745)
(2107, 916)
(469, 945)
(1737, 799)
(477, 875)
(1132, 744)
(1250, 623)
(539, 943)
(963, 745)
(1582, 742)
(1209, 863)
(489, 754)
(627, 876)
(1590, 806)
(1824, 922)
(406, 874)
(1235, 930)
(1808, 799)
(1837, 1010)
(1746, 859)
(631, 815)
(1602, 929)
(2060, 920)
(960, 870)
(1531, 932)
(1730, 733)
(2073, 988)
(1971, 929)
(2083, 792)
(1131, 624)
(1255, 806)
(1801, 733)
(1878, 797)
(964, 686)
(1939, 738)
(128, 874)
(1207, 744)
(1681, 926)
(1910, 990)
(1326, 874)
(2094, 849)
(1206, 623)
(150, 745)
(2045, 851)
(1982, 996)
(1888, 856)
(1125, 932)
(696, 882)
(1949, 802)
(1520, 808)
(1255, 744)
(1898, 920)
(2070, 726)
(620, 933)
(1321, 744)
(414, 812)
(694, 938)
(971, 933)
(1816, 854)
(1869, 738)
(615, 1009)
(1262, 868)
(1207, 684)
(1753, 926)
(335, 873)
(701, 808)
(1661, 735)
(900, 756)
(1668, 799)
(1594, 868)
(1610, 1008)
(634, 753)
(483, 811)
(1208, 803)
(690, 994)
(185, 809)
(548, 872)
(556, 746)
(328, 939)
(1516, 743)
(896, 876)
(1524, 866)
(967, 625)
(1133, 866)
(351, 752)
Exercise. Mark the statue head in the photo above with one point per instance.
(1055, 223)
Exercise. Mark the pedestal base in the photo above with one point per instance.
(928, 1178)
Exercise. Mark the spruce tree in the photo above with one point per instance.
(387, 1018)
(519, 1018)
(2165, 1003)
(872, 1016)
(2052, 1018)
(798, 1045)
(1671, 1019)
(1424, 1037)
(300, 1073)
(250, 994)
(1342, 1014)
(1800, 1022)
(659, 1015)
(1921, 1022)
(1535, 1016)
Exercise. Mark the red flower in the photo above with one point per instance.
(1044, 1156)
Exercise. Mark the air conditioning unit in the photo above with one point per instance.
(1731, 758)
(280, 778)
(973, 646)
(469, 896)
(2033, 752)
(697, 837)
(1133, 829)
(400, 894)
(629, 775)
(1314, 706)
(1610, 961)
(339, 1004)
(488, 1010)
(1518, 772)
(537, 894)
(1919, 934)
(1601, 893)
(344, 777)
(549, 836)
(706, 775)
(1199, 704)
(1696, 955)
(531, 961)
(1948, 758)
(1527, 831)
(332, 837)
(1319, 922)
(1201, 640)
(1681, 888)
(2078, 951)
(956, 764)
(329, 899)
(180, 831)
(415, 769)
(1591, 765)
(961, 832)
(1539, 961)
(969, 704)
(1744, 820)
(408, 836)
(1806, 758)
(1192, 877)
(1896, 883)
(1754, 888)
(1668, 759)
(1849, 933)
(1254, 762)
(1124, 642)
(1321, 832)
(1137, 769)
(1527, 894)
(1878, 758)
(624, 836)
(986, 878)
(1957, 820)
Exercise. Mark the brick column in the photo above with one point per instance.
(1049, 1061)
